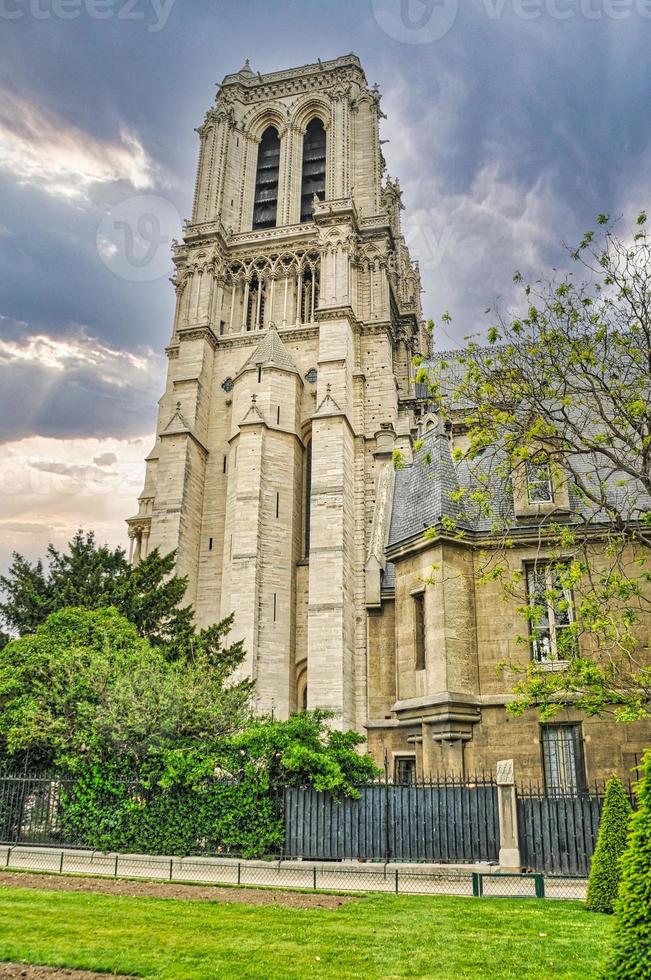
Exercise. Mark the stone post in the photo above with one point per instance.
(508, 815)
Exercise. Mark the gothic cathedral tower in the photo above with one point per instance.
(289, 383)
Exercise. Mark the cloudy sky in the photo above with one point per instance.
(511, 124)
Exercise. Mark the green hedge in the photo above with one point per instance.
(213, 816)
(605, 871)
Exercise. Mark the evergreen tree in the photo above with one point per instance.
(86, 689)
(94, 576)
(605, 872)
(631, 956)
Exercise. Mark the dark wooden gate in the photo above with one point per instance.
(444, 822)
(558, 834)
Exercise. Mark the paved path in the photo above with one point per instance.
(341, 876)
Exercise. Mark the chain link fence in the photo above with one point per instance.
(315, 876)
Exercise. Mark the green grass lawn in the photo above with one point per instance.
(377, 936)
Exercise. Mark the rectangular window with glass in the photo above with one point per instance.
(404, 770)
(419, 629)
(551, 614)
(540, 489)
(563, 760)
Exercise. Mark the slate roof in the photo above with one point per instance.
(422, 490)
(271, 351)
(422, 493)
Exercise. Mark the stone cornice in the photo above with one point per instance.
(251, 339)
(199, 332)
(338, 211)
(533, 536)
(344, 312)
(298, 234)
(249, 87)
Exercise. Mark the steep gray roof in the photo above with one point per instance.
(271, 351)
(422, 494)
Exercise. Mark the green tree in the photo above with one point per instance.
(85, 688)
(4, 639)
(631, 956)
(605, 871)
(95, 577)
(302, 751)
(220, 793)
(561, 395)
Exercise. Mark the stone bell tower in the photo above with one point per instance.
(289, 383)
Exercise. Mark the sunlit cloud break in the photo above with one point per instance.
(116, 367)
(43, 150)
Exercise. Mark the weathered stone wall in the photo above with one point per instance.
(225, 484)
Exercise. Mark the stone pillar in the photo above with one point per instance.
(508, 814)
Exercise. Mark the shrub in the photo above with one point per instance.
(107, 810)
(605, 872)
(631, 955)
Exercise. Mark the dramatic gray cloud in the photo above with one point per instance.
(75, 386)
(41, 150)
(511, 124)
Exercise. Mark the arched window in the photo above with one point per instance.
(309, 295)
(308, 495)
(314, 167)
(265, 205)
(255, 308)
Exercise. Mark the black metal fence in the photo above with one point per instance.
(444, 821)
(30, 810)
(558, 834)
(449, 820)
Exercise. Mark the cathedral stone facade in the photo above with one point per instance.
(290, 386)
(290, 381)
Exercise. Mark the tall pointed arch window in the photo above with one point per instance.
(314, 167)
(265, 202)
(309, 294)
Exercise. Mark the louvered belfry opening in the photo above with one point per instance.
(265, 205)
(314, 167)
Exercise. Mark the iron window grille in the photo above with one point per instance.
(563, 760)
(404, 770)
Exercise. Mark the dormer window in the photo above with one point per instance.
(314, 168)
(265, 206)
(540, 489)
